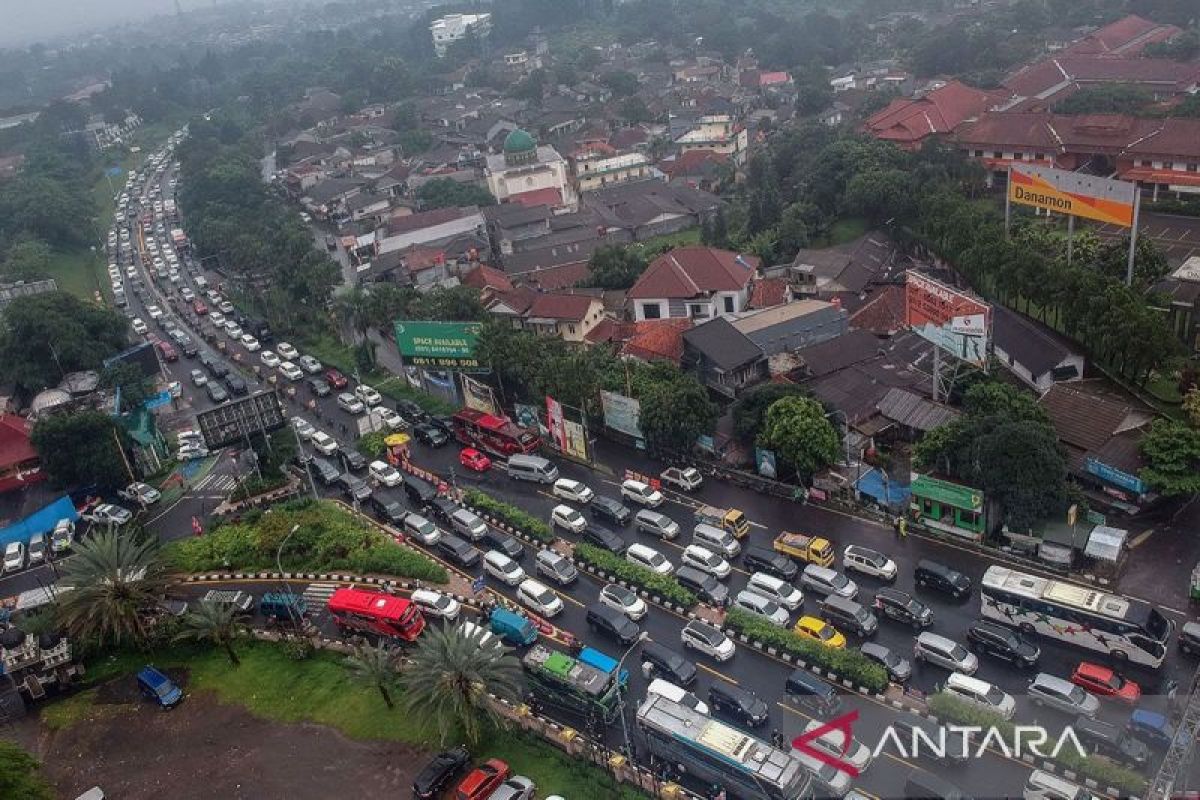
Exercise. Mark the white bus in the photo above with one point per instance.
(1126, 629)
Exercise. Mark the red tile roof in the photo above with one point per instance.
(568, 307)
(690, 271)
(939, 111)
(1125, 37)
(658, 339)
(562, 276)
(768, 292)
(627, 138)
(406, 223)
(417, 259)
(693, 162)
(882, 314)
(1055, 78)
(15, 447)
(538, 197)
(485, 277)
(1087, 133)
(773, 78)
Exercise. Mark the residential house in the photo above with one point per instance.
(368, 206)
(509, 223)
(852, 267)
(569, 315)
(1125, 38)
(327, 199)
(594, 170)
(724, 359)
(693, 282)
(907, 122)
(1031, 352)
(650, 208)
(792, 326)
(1038, 86)
(700, 169)
(716, 132)
(428, 228)
(455, 27)
(1183, 288)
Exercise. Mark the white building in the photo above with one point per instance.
(528, 173)
(454, 27)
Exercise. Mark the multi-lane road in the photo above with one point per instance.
(991, 775)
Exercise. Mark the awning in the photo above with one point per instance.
(1105, 543)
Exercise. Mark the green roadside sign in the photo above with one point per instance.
(440, 345)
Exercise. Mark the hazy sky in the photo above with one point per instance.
(26, 21)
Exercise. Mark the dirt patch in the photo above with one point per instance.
(204, 749)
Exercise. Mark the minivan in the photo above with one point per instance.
(704, 585)
(611, 622)
(556, 567)
(823, 580)
(716, 539)
(502, 568)
(810, 691)
(849, 615)
(468, 524)
(421, 529)
(1055, 692)
(531, 468)
(775, 589)
(602, 537)
(419, 492)
(665, 662)
(903, 607)
(737, 703)
(1048, 786)
(939, 577)
(945, 652)
(995, 639)
(460, 551)
(325, 471)
(37, 548)
(981, 694)
(762, 559)
(762, 607)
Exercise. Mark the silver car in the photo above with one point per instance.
(660, 525)
(764, 607)
(1050, 690)
(518, 787)
(945, 653)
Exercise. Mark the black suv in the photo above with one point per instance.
(237, 386)
(460, 551)
(703, 585)
(411, 411)
(496, 540)
(1104, 739)
(318, 386)
(443, 508)
(430, 435)
(760, 559)
(438, 773)
(995, 639)
(666, 663)
(354, 460)
(737, 703)
(937, 576)
(354, 487)
(213, 365)
(390, 511)
(603, 537)
(612, 510)
(612, 623)
(903, 607)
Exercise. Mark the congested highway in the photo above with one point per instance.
(213, 351)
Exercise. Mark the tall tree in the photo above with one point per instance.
(797, 430)
(81, 449)
(1172, 452)
(215, 623)
(48, 335)
(750, 410)
(117, 581)
(450, 674)
(377, 666)
(614, 267)
(445, 193)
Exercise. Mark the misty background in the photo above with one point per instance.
(29, 21)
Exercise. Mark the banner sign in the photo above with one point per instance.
(526, 416)
(1114, 475)
(765, 459)
(1074, 193)
(576, 440)
(443, 345)
(478, 395)
(621, 413)
(554, 421)
(955, 321)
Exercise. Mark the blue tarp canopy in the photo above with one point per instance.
(871, 484)
(42, 521)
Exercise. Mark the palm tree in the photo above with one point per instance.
(377, 666)
(353, 310)
(450, 675)
(216, 623)
(116, 581)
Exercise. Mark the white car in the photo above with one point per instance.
(233, 330)
(502, 568)
(575, 491)
(107, 514)
(648, 557)
(436, 604)
(287, 351)
(269, 359)
(216, 318)
(568, 518)
(225, 306)
(368, 395)
(385, 473)
(304, 428)
(138, 326)
(614, 595)
(641, 493)
(14, 556)
(141, 493)
(324, 443)
(706, 639)
(868, 562)
(250, 342)
(191, 451)
(389, 418)
(154, 312)
(706, 560)
(198, 377)
(539, 597)
(290, 371)
(676, 694)
(309, 364)
(685, 479)
(350, 404)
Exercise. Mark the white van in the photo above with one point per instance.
(531, 468)
(1045, 786)
(776, 589)
(980, 694)
(436, 604)
(717, 540)
(676, 694)
(503, 568)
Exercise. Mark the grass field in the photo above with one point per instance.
(80, 272)
(671, 240)
(272, 685)
(847, 230)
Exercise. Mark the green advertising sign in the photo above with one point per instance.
(441, 345)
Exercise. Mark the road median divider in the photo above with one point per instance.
(1096, 773)
(849, 668)
(661, 589)
(507, 516)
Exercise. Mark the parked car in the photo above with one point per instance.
(107, 514)
(336, 379)
(155, 685)
(482, 781)
(685, 479)
(141, 493)
(14, 556)
(518, 787)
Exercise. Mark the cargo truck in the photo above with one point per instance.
(809, 549)
(728, 519)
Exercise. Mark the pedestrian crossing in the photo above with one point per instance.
(317, 595)
(216, 483)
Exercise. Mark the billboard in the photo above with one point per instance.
(1074, 193)
(441, 345)
(765, 459)
(621, 413)
(478, 395)
(554, 422)
(232, 422)
(955, 321)
(575, 438)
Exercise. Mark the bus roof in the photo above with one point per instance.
(375, 604)
(1084, 598)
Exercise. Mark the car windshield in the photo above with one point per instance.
(958, 653)
(621, 595)
(824, 632)
(1076, 695)
(1113, 681)
(545, 597)
(838, 580)
(655, 559)
(995, 696)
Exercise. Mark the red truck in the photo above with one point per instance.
(376, 612)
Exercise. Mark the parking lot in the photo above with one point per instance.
(1178, 236)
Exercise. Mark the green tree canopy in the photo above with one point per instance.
(26, 260)
(47, 335)
(797, 430)
(615, 267)
(81, 449)
(750, 410)
(620, 82)
(444, 193)
(118, 579)
(1172, 452)
(135, 387)
(676, 410)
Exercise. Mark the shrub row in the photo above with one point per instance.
(665, 586)
(508, 514)
(1104, 772)
(328, 539)
(849, 664)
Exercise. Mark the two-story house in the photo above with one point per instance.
(567, 316)
(693, 282)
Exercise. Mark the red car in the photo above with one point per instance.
(199, 307)
(474, 460)
(336, 379)
(1104, 682)
(482, 781)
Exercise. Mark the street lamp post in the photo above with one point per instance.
(643, 636)
(279, 566)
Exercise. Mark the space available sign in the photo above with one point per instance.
(955, 321)
(441, 345)
(1074, 193)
